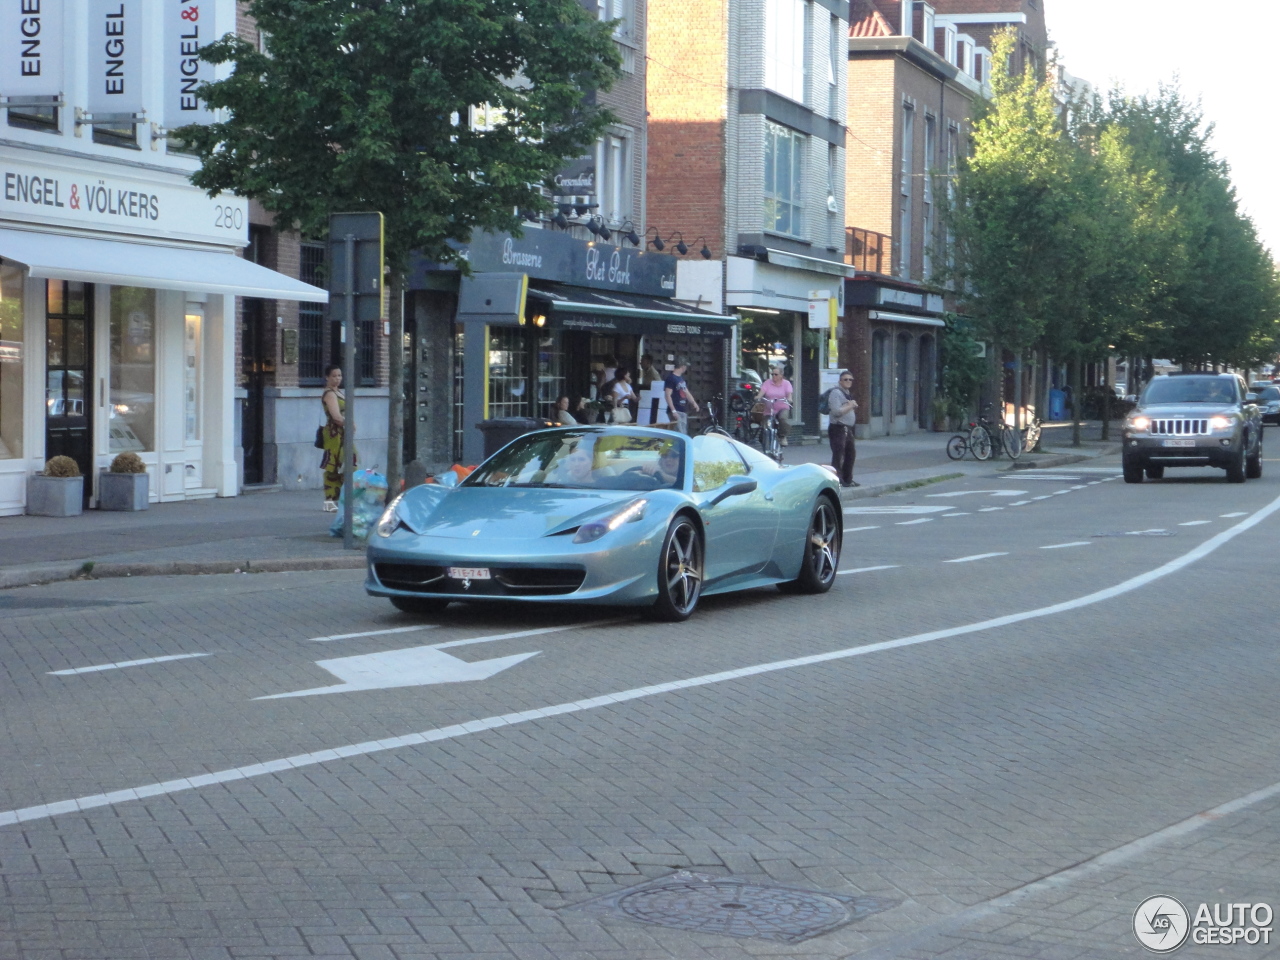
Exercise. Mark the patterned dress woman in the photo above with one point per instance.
(335, 422)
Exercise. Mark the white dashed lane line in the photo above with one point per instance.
(125, 663)
(859, 529)
(1063, 546)
(912, 523)
(1195, 523)
(946, 515)
(990, 509)
(1228, 516)
(890, 566)
(976, 556)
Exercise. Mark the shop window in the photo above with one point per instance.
(784, 46)
(901, 371)
(366, 348)
(34, 118)
(11, 307)
(133, 369)
(192, 358)
(783, 180)
(879, 347)
(311, 319)
(508, 373)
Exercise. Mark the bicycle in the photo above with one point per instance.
(714, 426)
(1010, 442)
(770, 442)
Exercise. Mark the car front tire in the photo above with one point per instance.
(680, 572)
(1236, 468)
(1132, 471)
(821, 552)
(1253, 466)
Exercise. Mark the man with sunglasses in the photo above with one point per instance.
(844, 417)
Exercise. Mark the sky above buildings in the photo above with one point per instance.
(1140, 44)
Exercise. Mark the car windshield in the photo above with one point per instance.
(1190, 390)
(1268, 394)
(585, 460)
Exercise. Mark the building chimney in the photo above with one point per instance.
(908, 18)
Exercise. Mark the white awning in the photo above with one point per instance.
(796, 261)
(124, 263)
(905, 318)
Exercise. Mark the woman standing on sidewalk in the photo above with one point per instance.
(334, 435)
(844, 417)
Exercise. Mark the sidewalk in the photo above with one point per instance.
(273, 532)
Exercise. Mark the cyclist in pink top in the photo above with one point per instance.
(775, 397)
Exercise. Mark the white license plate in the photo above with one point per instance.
(1177, 443)
(469, 573)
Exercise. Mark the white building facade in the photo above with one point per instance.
(117, 276)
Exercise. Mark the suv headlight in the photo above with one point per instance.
(590, 532)
(1140, 423)
(1220, 423)
(389, 522)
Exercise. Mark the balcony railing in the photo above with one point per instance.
(867, 250)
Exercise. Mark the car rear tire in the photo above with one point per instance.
(421, 606)
(1155, 472)
(1236, 468)
(1132, 472)
(821, 552)
(1253, 466)
(680, 572)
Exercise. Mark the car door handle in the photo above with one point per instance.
(768, 496)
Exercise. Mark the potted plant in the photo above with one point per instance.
(126, 485)
(941, 414)
(58, 491)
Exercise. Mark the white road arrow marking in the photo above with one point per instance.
(411, 667)
(994, 493)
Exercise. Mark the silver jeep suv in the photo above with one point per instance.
(1194, 420)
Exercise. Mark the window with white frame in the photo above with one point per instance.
(835, 65)
(928, 225)
(783, 179)
(953, 165)
(613, 178)
(908, 167)
(834, 228)
(949, 43)
(619, 10)
(784, 46)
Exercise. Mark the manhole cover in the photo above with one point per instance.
(734, 907)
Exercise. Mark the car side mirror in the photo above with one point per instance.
(735, 487)
(1250, 398)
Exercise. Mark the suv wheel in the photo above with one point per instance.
(1132, 471)
(1253, 466)
(1155, 472)
(1235, 469)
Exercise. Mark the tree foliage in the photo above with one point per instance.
(365, 105)
(1091, 228)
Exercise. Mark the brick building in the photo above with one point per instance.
(914, 72)
(747, 156)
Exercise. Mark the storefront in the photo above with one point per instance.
(891, 333)
(117, 321)
(542, 315)
(788, 293)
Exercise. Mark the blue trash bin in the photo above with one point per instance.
(1057, 405)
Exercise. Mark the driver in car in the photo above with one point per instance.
(666, 469)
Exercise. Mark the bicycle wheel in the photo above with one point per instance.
(980, 443)
(957, 447)
(1011, 441)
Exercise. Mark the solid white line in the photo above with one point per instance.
(1195, 523)
(47, 810)
(125, 663)
(976, 556)
(373, 633)
(890, 566)
(912, 523)
(1063, 546)
(859, 529)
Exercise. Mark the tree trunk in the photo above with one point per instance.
(1106, 411)
(395, 390)
(1017, 391)
(1077, 398)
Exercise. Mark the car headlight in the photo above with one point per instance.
(1140, 423)
(590, 532)
(389, 522)
(1220, 423)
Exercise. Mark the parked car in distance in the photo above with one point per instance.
(1194, 420)
(1268, 400)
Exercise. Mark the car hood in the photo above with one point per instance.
(1190, 411)
(504, 513)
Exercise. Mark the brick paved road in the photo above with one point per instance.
(943, 774)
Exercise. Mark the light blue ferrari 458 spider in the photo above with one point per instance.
(625, 516)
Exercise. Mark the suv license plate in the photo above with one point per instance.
(469, 573)
(1177, 443)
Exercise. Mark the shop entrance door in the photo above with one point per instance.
(254, 366)
(69, 375)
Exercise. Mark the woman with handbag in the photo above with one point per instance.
(332, 435)
(623, 396)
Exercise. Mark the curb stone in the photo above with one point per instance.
(36, 574)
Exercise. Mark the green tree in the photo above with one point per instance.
(367, 105)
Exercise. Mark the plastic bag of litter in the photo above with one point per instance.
(370, 499)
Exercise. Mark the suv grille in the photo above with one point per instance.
(1180, 428)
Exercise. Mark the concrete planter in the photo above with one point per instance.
(55, 496)
(123, 491)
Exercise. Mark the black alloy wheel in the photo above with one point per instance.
(821, 552)
(420, 606)
(680, 572)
